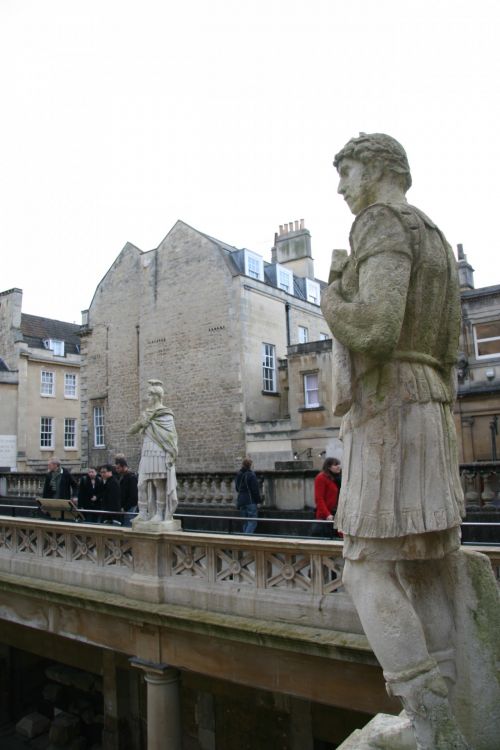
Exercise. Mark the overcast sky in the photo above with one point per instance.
(120, 117)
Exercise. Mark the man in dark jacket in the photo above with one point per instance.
(89, 494)
(110, 493)
(128, 489)
(247, 487)
(59, 484)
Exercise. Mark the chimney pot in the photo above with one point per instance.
(290, 226)
(302, 223)
(296, 223)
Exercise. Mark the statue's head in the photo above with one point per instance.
(155, 390)
(368, 162)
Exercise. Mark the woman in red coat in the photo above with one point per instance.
(326, 489)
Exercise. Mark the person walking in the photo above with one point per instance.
(59, 483)
(110, 493)
(128, 489)
(89, 491)
(326, 492)
(247, 487)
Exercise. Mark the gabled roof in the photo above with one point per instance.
(36, 329)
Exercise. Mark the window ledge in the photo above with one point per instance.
(312, 408)
(270, 393)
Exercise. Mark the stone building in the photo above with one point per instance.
(215, 324)
(39, 388)
(478, 404)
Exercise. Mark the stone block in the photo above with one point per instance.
(64, 729)
(32, 725)
(383, 732)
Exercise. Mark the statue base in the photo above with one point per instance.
(156, 527)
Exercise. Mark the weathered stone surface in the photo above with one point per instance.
(157, 486)
(384, 732)
(394, 304)
(32, 725)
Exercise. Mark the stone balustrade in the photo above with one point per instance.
(290, 490)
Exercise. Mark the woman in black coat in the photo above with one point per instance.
(247, 487)
(89, 493)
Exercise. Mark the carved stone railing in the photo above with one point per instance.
(214, 489)
(283, 579)
(295, 580)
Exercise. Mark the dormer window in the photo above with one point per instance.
(284, 279)
(55, 345)
(312, 291)
(254, 265)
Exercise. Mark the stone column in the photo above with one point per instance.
(163, 705)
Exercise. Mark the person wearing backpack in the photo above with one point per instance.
(247, 487)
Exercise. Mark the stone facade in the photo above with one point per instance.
(478, 404)
(39, 388)
(197, 314)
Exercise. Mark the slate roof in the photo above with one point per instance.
(238, 259)
(36, 329)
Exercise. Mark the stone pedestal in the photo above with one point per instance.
(163, 705)
(156, 527)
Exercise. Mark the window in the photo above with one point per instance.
(487, 339)
(269, 367)
(55, 345)
(254, 265)
(69, 385)
(98, 426)
(303, 335)
(324, 336)
(70, 433)
(47, 383)
(311, 393)
(46, 432)
(284, 279)
(312, 291)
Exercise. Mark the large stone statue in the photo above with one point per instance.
(393, 305)
(157, 479)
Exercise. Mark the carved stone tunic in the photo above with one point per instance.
(400, 468)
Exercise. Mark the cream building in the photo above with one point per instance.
(39, 388)
(214, 323)
(477, 410)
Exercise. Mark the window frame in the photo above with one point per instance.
(324, 336)
(259, 260)
(478, 341)
(98, 426)
(269, 368)
(316, 294)
(53, 383)
(303, 334)
(53, 345)
(289, 274)
(307, 391)
(50, 422)
(67, 432)
(70, 375)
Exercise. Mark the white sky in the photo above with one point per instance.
(120, 117)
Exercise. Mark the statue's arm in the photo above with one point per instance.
(371, 322)
(137, 427)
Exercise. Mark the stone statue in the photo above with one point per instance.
(393, 304)
(157, 480)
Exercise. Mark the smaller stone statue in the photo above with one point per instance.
(157, 478)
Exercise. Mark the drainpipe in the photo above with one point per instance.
(287, 316)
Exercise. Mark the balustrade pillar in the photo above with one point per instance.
(163, 705)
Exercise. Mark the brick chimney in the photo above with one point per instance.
(292, 248)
